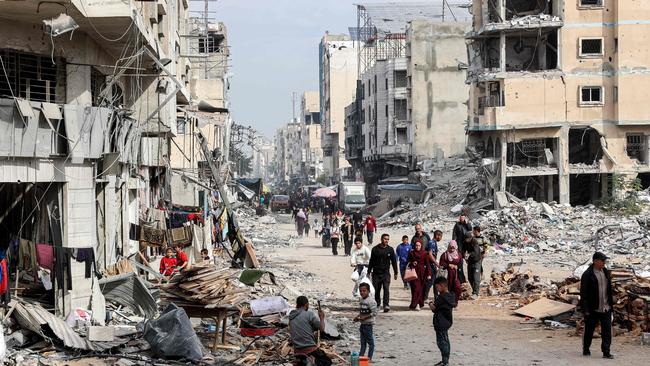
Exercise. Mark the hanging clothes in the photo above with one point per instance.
(63, 267)
(86, 255)
(4, 277)
(27, 255)
(45, 255)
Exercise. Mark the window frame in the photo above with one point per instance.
(582, 6)
(581, 54)
(583, 103)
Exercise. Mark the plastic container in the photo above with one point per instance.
(364, 361)
(354, 359)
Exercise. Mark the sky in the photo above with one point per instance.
(274, 52)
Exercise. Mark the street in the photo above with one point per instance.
(482, 334)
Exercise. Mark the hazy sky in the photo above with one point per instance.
(274, 52)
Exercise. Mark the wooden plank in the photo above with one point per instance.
(544, 308)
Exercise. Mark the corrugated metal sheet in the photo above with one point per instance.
(49, 326)
(129, 290)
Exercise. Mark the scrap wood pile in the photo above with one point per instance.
(631, 295)
(277, 350)
(205, 285)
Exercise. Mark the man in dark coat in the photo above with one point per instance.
(459, 233)
(596, 301)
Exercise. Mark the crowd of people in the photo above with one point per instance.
(417, 261)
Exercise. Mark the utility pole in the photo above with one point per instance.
(293, 107)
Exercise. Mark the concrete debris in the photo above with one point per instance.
(631, 297)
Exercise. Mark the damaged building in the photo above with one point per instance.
(89, 96)
(556, 95)
(411, 98)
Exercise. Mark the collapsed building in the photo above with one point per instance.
(411, 96)
(556, 96)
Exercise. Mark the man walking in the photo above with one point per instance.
(382, 258)
(461, 228)
(347, 231)
(371, 227)
(474, 258)
(596, 302)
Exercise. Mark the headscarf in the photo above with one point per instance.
(301, 214)
(453, 255)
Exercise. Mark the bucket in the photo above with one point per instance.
(364, 361)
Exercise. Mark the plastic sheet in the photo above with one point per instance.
(172, 335)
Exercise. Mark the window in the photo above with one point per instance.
(375, 84)
(180, 126)
(615, 96)
(591, 95)
(386, 83)
(33, 77)
(591, 3)
(97, 84)
(386, 110)
(636, 146)
(591, 47)
(400, 78)
(400, 109)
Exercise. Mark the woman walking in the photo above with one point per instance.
(300, 222)
(450, 260)
(418, 259)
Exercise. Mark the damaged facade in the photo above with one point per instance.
(338, 79)
(411, 96)
(556, 96)
(92, 98)
(311, 154)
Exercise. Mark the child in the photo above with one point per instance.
(168, 263)
(367, 313)
(317, 229)
(402, 252)
(204, 254)
(442, 309)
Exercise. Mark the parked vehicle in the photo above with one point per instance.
(352, 196)
(280, 202)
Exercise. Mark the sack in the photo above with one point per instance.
(442, 272)
(410, 275)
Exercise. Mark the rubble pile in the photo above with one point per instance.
(631, 295)
(205, 285)
(529, 227)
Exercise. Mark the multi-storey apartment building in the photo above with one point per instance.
(557, 96)
(338, 76)
(88, 98)
(412, 94)
(310, 137)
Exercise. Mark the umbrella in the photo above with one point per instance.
(324, 193)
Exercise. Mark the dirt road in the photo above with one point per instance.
(483, 334)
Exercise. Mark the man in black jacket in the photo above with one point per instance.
(382, 258)
(459, 232)
(596, 302)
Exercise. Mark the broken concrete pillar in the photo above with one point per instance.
(502, 52)
(563, 165)
(503, 166)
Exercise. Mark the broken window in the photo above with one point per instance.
(400, 109)
(591, 95)
(584, 146)
(518, 8)
(315, 117)
(591, 3)
(636, 147)
(531, 53)
(180, 126)
(33, 77)
(591, 47)
(531, 153)
(401, 135)
(211, 43)
(400, 78)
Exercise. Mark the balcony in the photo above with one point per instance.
(398, 150)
